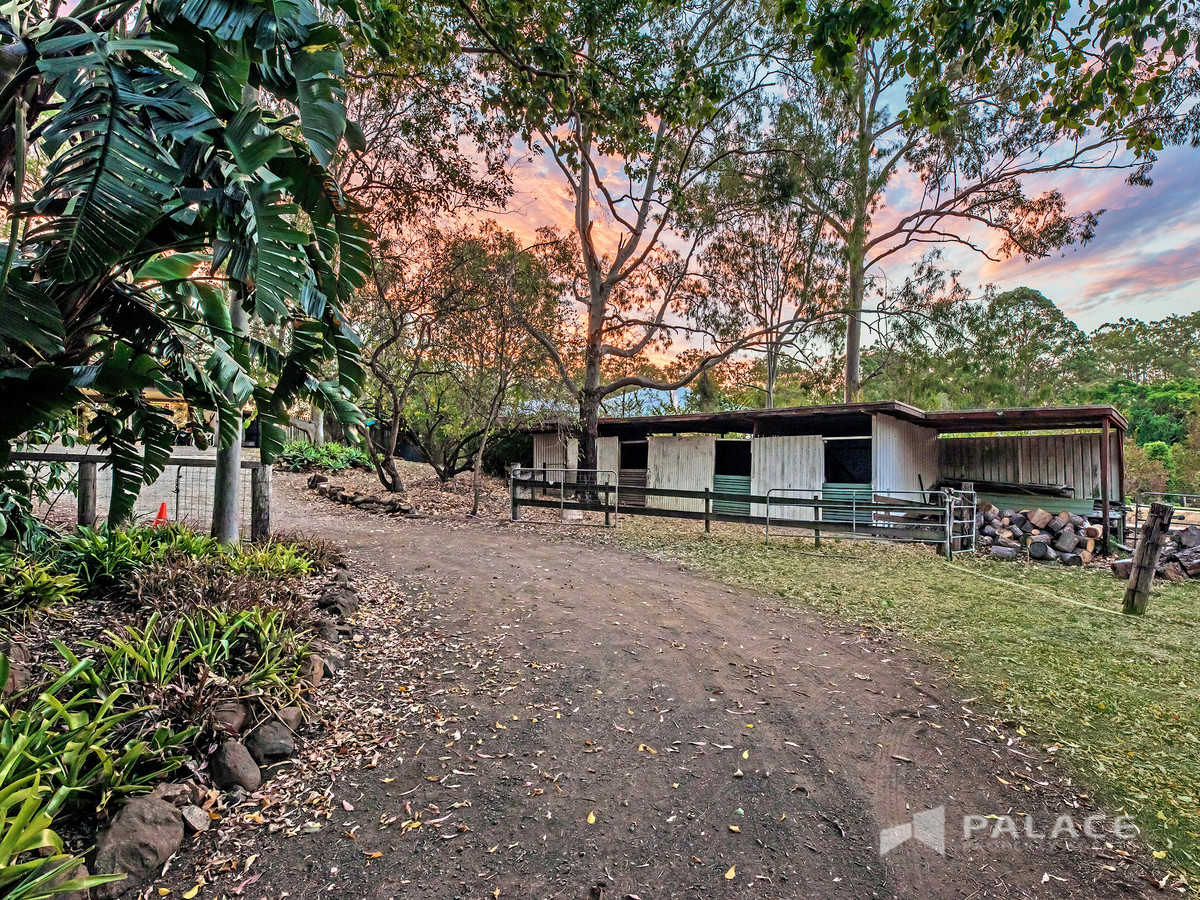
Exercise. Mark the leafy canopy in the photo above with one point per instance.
(167, 167)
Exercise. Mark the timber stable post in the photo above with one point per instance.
(1141, 577)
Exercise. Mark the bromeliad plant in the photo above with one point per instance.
(33, 865)
(90, 742)
(28, 585)
(250, 650)
(169, 229)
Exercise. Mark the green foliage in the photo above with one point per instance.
(171, 204)
(1160, 451)
(1157, 410)
(33, 865)
(249, 650)
(1011, 349)
(88, 741)
(1099, 65)
(272, 561)
(105, 560)
(28, 585)
(330, 456)
(1142, 474)
(505, 449)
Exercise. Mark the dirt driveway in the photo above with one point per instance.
(612, 726)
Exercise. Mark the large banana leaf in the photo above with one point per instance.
(108, 180)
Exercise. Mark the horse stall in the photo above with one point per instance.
(873, 469)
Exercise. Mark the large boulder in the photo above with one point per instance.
(233, 766)
(141, 837)
(271, 742)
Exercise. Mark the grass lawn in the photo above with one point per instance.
(1120, 696)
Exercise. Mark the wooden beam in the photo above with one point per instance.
(86, 494)
(1105, 506)
(1145, 558)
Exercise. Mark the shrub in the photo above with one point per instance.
(253, 649)
(87, 741)
(27, 585)
(104, 559)
(317, 550)
(108, 562)
(332, 457)
(179, 586)
(33, 865)
(270, 560)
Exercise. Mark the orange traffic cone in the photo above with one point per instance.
(161, 518)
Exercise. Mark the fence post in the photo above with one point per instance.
(707, 510)
(260, 503)
(515, 513)
(87, 494)
(1145, 558)
(607, 519)
(817, 522)
(949, 526)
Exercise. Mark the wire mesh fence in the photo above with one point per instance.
(185, 486)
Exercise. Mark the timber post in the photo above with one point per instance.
(817, 522)
(87, 495)
(707, 510)
(512, 494)
(1105, 466)
(1145, 558)
(607, 519)
(260, 503)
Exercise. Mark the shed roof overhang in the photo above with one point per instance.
(1043, 418)
(845, 419)
(853, 419)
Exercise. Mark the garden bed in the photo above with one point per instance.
(152, 681)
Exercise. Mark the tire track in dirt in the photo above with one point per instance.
(705, 730)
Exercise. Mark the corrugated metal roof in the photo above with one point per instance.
(854, 417)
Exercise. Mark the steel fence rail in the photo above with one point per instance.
(945, 518)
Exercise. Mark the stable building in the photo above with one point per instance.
(1068, 458)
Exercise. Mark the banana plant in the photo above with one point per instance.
(182, 152)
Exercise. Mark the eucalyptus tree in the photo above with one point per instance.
(980, 174)
(182, 154)
(634, 105)
(769, 268)
(1098, 64)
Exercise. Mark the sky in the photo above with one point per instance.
(1143, 263)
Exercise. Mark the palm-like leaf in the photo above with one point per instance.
(108, 180)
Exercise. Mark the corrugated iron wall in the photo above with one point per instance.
(681, 464)
(553, 451)
(793, 461)
(904, 456)
(1059, 459)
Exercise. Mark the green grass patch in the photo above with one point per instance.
(1120, 696)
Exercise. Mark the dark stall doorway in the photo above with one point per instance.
(631, 472)
(731, 475)
(848, 461)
